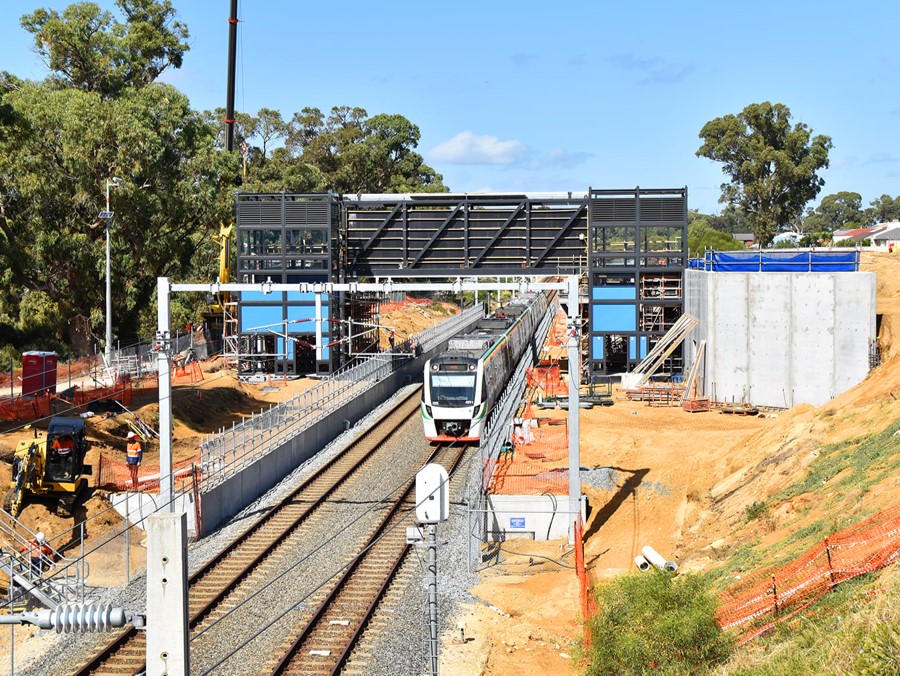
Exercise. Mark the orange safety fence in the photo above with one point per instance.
(190, 373)
(548, 380)
(115, 475)
(521, 470)
(25, 408)
(585, 595)
(761, 600)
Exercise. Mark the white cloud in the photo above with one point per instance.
(469, 148)
(559, 156)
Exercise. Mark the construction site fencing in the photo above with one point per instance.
(103, 550)
(231, 450)
(759, 601)
(496, 440)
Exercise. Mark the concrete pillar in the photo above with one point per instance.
(167, 598)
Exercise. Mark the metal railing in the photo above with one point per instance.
(52, 578)
(224, 454)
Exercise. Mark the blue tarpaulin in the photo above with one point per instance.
(778, 261)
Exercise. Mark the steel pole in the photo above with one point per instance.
(432, 597)
(574, 402)
(166, 485)
(108, 289)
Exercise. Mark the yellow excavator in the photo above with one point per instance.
(50, 467)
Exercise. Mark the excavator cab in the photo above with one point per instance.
(53, 466)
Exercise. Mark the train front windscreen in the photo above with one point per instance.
(452, 389)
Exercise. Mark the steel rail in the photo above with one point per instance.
(346, 586)
(128, 646)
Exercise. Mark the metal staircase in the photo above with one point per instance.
(60, 580)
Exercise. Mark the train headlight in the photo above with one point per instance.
(428, 411)
(471, 367)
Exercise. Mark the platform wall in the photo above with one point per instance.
(780, 339)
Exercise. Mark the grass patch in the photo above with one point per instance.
(870, 459)
(655, 623)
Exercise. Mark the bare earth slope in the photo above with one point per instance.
(683, 483)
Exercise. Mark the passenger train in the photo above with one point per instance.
(462, 385)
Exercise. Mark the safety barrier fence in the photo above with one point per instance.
(758, 602)
(104, 549)
(231, 450)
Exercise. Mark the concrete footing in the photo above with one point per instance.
(536, 517)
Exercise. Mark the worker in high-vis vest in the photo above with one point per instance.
(135, 453)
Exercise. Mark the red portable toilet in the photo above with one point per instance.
(38, 373)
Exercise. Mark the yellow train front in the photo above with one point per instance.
(50, 467)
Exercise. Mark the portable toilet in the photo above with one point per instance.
(38, 373)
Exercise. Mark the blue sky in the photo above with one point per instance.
(529, 96)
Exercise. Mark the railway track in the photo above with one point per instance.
(324, 644)
(211, 584)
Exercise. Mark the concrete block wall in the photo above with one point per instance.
(781, 338)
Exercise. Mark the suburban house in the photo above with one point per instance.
(858, 234)
(888, 239)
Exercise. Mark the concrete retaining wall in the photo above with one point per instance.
(780, 339)
(536, 517)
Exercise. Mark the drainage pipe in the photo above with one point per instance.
(642, 563)
(657, 560)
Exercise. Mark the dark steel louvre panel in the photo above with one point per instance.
(613, 210)
(306, 213)
(259, 214)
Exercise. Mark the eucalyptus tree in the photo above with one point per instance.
(772, 165)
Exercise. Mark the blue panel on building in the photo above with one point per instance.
(643, 346)
(612, 318)
(307, 312)
(632, 347)
(614, 293)
(259, 296)
(294, 296)
(326, 353)
(597, 347)
(255, 317)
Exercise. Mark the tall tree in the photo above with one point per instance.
(64, 144)
(840, 211)
(88, 49)
(772, 166)
(884, 209)
(357, 153)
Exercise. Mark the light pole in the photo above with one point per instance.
(108, 216)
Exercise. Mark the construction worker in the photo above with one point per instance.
(391, 339)
(135, 453)
(39, 552)
(63, 445)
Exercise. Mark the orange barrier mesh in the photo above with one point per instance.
(114, 475)
(769, 596)
(548, 380)
(522, 472)
(25, 408)
(191, 373)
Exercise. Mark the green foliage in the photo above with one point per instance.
(88, 50)
(868, 460)
(65, 144)
(755, 510)
(844, 632)
(841, 211)
(702, 236)
(772, 166)
(655, 623)
(884, 209)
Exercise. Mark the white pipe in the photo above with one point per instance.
(657, 560)
(642, 563)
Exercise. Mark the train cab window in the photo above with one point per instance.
(452, 389)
